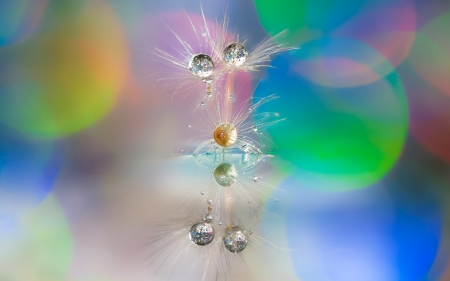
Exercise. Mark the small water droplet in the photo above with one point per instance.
(255, 128)
(202, 193)
(204, 33)
(249, 201)
(209, 202)
(276, 200)
(255, 179)
(220, 223)
(250, 232)
(202, 103)
(229, 198)
(190, 126)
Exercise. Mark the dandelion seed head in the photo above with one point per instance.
(235, 240)
(225, 174)
(201, 66)
(235, 54)
(225, 135)
(201, 233)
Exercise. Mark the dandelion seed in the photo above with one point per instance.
(225, 135)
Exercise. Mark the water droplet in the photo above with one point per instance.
(250, 232)
(249, 201)
(201, 66)
(202, 193)
(245, 148)
(276, 200)
(204, 33)
(202, 103)
(255, 128)
(201, 233)
(235, 240)
(225, 174)
(208, 80)
(190, 126)
(209, 202)
(255, 179)
(235, 54)
(220, 223)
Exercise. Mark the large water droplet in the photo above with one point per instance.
(235, 240)
(235, 54)
(201, 233)
(201, 66)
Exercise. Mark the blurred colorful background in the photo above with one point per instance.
(89, 138)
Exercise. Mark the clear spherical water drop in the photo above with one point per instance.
(201, 66)
(235, 54)
(235, 240)
(201, 233)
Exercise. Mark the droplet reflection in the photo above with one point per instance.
(225, 174)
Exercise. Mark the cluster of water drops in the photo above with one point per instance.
(202, 65)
